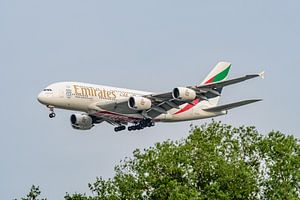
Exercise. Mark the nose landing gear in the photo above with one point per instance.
(52, 113)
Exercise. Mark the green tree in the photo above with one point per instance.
(282, 158)
(216, 161)
(33, 193)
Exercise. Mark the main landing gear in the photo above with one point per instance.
(143, 124)
(120, 128)
(139, 126)
(52, 113)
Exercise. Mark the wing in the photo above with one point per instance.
(115, 113)
(165, 101)
(231, 105)
(118, 112)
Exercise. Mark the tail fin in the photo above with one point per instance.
(219, 73)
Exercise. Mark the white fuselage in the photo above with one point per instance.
(91, 99)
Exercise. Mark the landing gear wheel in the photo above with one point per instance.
(119, 128)
(51, 115)
(141, 125)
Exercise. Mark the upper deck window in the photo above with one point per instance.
(49, 90)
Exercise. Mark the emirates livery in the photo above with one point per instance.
(121, 107)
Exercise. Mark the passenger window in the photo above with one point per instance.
(47, 90)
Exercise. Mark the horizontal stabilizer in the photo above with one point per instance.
(231, 105)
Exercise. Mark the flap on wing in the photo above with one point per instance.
(231, 105)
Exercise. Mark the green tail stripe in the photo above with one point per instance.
(222, 75)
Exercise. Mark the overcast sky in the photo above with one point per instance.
(145, 45)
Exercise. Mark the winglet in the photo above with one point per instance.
(262, 74)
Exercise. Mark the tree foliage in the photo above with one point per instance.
(216, 161)
(33, 194)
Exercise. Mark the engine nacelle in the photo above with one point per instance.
(81, 121)
(139, 103)
(185, 94)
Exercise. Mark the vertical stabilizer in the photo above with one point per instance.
(219, 73)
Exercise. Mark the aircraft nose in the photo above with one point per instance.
(41, 98)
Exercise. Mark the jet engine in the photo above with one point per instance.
(185, 94)
(81, 121)
(139, 103)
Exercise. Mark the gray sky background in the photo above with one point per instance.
(145, 45)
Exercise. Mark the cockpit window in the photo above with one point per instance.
(49, 90)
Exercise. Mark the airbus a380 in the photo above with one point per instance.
(121, 107)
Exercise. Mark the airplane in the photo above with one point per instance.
(139, 109)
